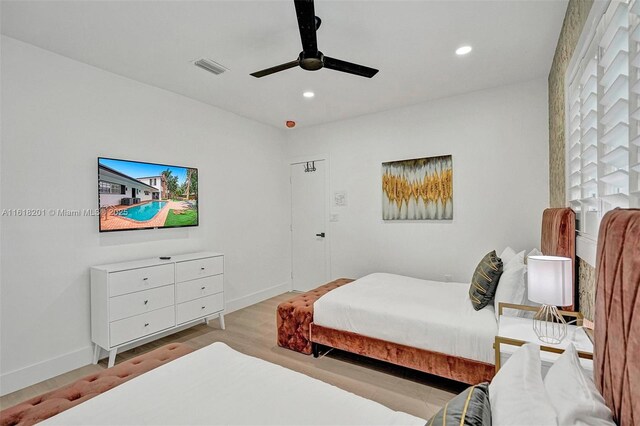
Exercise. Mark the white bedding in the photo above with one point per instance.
(431, 315)
(219, 386)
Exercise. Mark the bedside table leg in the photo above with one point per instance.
(96, 353)
(221, 318)
(112, 357)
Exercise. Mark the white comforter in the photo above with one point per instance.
(431, 315)
(219, 386)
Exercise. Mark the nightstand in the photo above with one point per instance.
(514, 332)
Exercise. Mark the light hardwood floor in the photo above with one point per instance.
(252, 330)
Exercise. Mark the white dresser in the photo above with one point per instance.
(133, 301)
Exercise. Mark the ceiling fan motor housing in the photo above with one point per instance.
(311, 61)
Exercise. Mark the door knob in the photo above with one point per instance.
(320, 235)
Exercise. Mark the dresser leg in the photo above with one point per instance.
(112, 357)
(221, 318)
(96, 353)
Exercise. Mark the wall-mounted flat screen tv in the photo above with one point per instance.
(138, 195)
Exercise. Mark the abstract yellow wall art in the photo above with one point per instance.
(418, 189)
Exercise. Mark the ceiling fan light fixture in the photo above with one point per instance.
(463, 50)
(308, 94)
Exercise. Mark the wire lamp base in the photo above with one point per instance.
(549, 325)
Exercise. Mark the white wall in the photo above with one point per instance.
(58, 116)
(498, 139)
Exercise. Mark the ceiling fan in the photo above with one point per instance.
(311, 59)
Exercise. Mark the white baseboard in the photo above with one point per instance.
(32, 374)
(257, 297)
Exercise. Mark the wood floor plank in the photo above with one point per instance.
(252, 331)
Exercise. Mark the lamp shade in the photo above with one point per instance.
(549, 280)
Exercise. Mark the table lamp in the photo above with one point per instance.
(549, 283)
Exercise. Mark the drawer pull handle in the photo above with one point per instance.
(145, 278)
(146, 324)
(202, 288)
(146, 301)
(202, 269)
(203, 307)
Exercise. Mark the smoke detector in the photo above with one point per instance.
(209, 65)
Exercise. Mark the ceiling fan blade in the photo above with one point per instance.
(276, 69)
(338, 65)
(307, 25)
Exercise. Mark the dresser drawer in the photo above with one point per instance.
(140, 302)
(193, 269)
(199, 308)
(201, 287)
(140, 279)
(133, 328)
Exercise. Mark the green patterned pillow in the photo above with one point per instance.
(470, 408)
(485, 280)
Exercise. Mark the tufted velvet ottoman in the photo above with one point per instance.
(51, 403)
(295, 315)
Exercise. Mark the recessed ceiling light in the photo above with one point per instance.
(308, 94)
(463, 50)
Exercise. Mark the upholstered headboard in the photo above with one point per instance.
(559, 239)
(617, 316)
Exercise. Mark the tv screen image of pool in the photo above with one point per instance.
(138, 195)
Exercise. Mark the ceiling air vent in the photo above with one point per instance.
(209, 65)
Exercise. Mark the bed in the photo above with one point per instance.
(426, 316)
(217, 385)
(396, 308)
(425, 325)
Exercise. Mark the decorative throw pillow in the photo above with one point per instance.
(485, 280)
(573, 393)
(471, 407)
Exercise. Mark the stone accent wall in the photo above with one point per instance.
(574, 20)
(577, 12)
(586, 289)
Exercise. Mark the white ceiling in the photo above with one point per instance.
(412, 43)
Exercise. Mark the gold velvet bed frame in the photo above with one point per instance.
(558, 239)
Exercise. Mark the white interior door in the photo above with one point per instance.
(308, 234)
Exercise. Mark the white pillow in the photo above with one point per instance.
(506, 255)
(573, 393)
(511, 284)
(525, 298)
(534, 252)
(517, 393)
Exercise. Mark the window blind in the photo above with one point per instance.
(603, 118)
